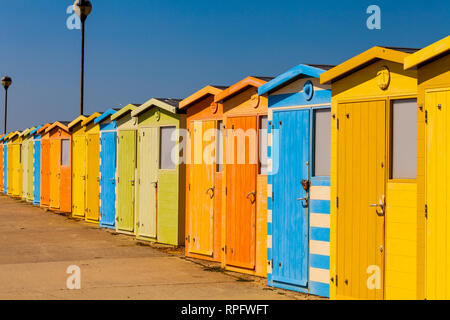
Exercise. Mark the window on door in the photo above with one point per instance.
(166, 148)
(322, 142)
(65, 152)
(404, 139)
(263, 136)
(219, 147)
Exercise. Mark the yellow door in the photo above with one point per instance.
(201, 190)
(361, 185)
(78, 176)
(93, 177)
(438, 195)
(55, 156)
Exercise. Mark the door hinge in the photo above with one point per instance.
(336, 280)
(337, 124)
(426, 211)
(189, 187)
(226, 193)
(426, 116)
(337, 202)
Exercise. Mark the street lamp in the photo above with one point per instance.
(6, 82)
(82, 9)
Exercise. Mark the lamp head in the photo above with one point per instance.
(82, 8)
(6, 82)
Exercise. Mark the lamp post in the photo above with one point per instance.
(82, 9)
(6, 82)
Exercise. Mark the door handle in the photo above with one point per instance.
(381, 205)
(253, 193)
(304, 199)
(213, 192)
(155, 183)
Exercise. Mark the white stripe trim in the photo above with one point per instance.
(269, 191)
(269, 140)
(319, 247)
(269, 242)
(320, 220)
(320, 193)
(269, 216)
(319, 275)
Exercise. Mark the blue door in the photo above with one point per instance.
(108, 179)
(290, 214)
(5, 168)
(37, 172)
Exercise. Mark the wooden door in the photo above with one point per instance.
(5, 168)
(30, 173)
(290, 235)
(361, 184)
(45, 172)
(201, 191)
(437, 104)
(108, 179)
(241, 171)
(24, 160)
(2, 164)
(78, 176)
(93, 177)
(148, 181)
(55, 172)
(126, 166)
(37, 172)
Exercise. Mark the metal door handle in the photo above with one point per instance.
(213, 192)
(155, 183)
(381, 205)
(304, 199)
(253, 193)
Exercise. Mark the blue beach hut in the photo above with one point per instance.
(299, 134)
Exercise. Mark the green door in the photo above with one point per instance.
(148, 181)
(126, 181)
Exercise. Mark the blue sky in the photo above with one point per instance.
(138, 49)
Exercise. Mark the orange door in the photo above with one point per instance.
(65, 189)
(241, 171)
(55, 172)
(201, 190)
(1, 167)
(45, 172)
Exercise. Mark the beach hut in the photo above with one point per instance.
(4, 146)
(36, 133)
(433, 71)
(299, 177)
(160, 192)
(374, 222)
(126, 168)
(244, 227)
(60, 166)
(92, 168)
(108, 166)
(203, 238)
(78, 132)
(27, 165)
(45, 167)
(15, 170)
(2, 164)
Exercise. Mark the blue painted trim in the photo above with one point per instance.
(32, 133)
(298, 99)
(320, 182)
(319, 289)
(319, 261)
(286, 286)
(105, 115)
(320, 234)
(290, 75)
(320, 206)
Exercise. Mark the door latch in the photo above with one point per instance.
(381, 205)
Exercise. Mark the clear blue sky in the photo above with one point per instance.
(138, 49)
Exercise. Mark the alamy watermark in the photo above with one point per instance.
(73, 281)
(73, 22)
(374, 20)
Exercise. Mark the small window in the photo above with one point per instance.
(404, 139)
(167, 145)
(263, 159)
(65, 152)
(219, 147)
(322, 142)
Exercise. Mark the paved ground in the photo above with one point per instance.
(37, 247)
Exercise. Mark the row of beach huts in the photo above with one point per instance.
(328, 180)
